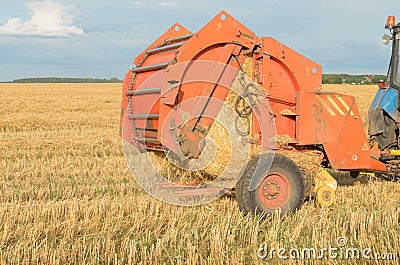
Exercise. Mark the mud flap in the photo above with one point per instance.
(376, 122)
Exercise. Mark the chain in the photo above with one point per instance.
(245, 102)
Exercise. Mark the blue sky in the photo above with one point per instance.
(70, 38)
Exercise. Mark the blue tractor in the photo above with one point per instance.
(384, 111)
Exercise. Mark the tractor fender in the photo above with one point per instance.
(386, 99)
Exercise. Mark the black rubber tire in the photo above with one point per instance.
(354, 174)
(249, 201)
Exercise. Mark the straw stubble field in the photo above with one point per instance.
(67, 197)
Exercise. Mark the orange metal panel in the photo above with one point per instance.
(283, 72)
(303, 73)
(124, 122)
(159, 52)
(333, 120)
(176, 30)
(220, 30)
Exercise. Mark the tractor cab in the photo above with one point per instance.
(384, 114)
(394, 69)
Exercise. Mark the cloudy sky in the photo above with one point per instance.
(99, 38)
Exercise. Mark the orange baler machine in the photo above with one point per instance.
(168, 73)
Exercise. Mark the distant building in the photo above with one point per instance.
(368, 78)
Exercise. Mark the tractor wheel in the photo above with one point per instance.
(389, 135)
(281, 187)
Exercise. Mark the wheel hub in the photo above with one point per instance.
(325, 196)
(274, 190)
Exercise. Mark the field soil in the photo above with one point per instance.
(67, 197)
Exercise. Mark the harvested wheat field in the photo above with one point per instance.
(67, 197)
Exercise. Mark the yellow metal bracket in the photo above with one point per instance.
(395, 152)
(325, 187)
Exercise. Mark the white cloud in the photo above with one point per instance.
(49, 19)
(137, 3)
(167, 4)
(161, 4)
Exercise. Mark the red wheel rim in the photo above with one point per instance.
(274, 191)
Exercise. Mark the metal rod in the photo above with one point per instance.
(181, 38)
(165, 48)
(143, 116)
(150, 67)
(143, 140)
(143, 91)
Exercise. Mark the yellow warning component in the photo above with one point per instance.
(325, 196)
(323, 178)
(325, 187)
(335, 105)
(395, 152)
(345, 104)
(368, 174)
